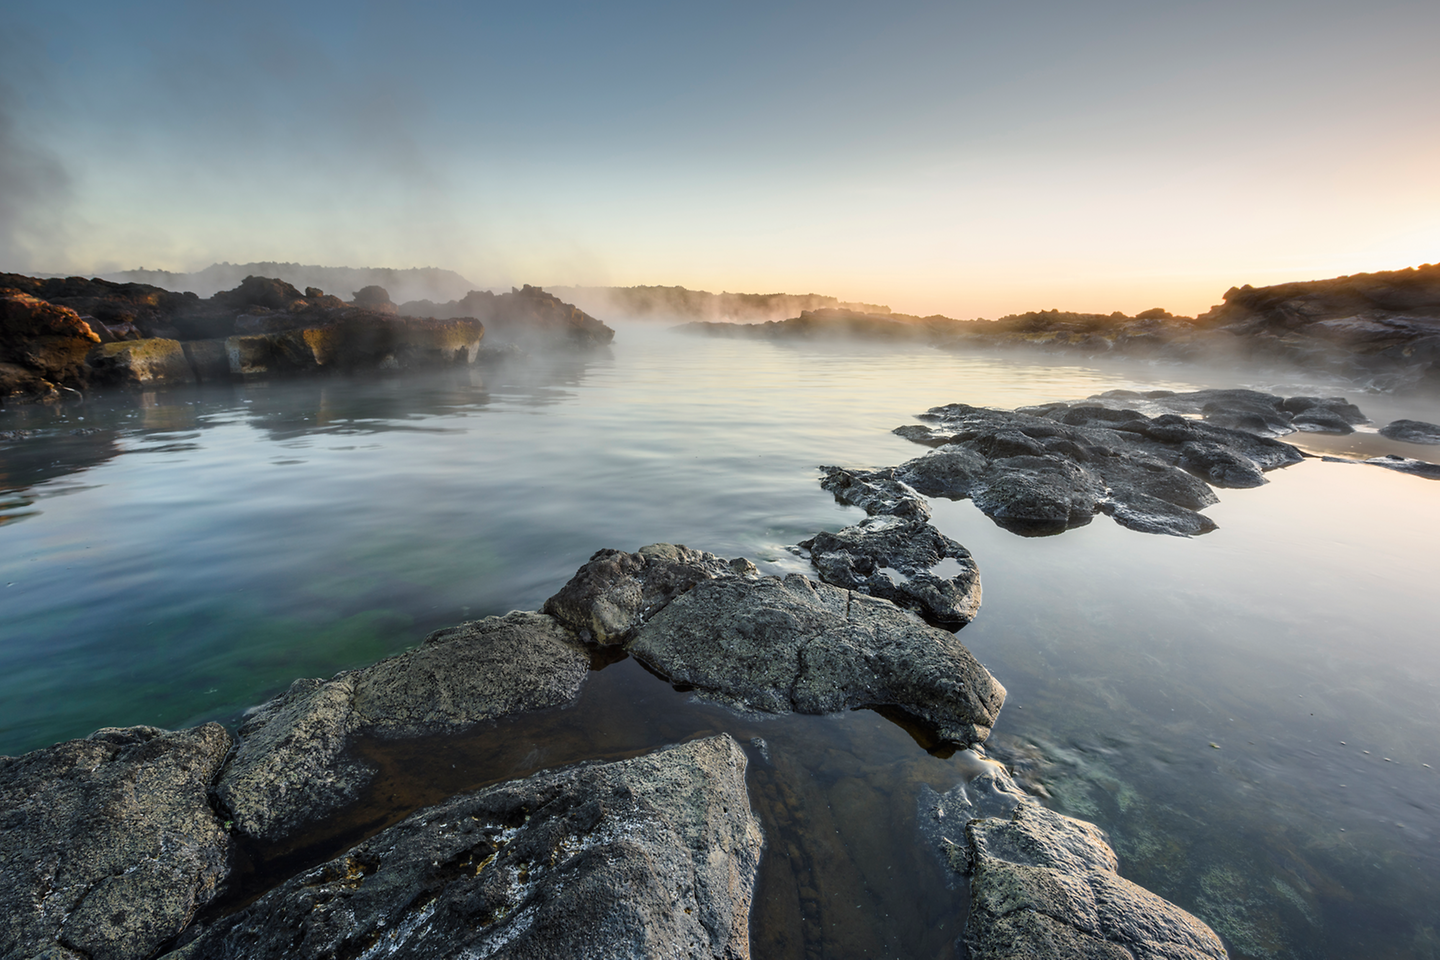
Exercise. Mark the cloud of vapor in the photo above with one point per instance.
(34, 189)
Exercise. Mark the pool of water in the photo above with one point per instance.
(1253, 715)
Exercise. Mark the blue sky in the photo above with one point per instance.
(965, 158)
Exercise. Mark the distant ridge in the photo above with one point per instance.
(413, 283)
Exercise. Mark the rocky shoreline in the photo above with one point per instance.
(133, 842)
(1380, 330)
(60, 337)
(116, 845)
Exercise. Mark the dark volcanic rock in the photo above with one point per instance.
(290, 764)
(653, 857)
(905, 561)
(1042, 470)
(615, 592)
(1411, 431)
(528, 317)
(778, 646)
(108, 845)
(1045, 885)
(877, 492)
(1419, 468)
(797, 646)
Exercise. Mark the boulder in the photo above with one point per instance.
(290, 764)
(209, 359)
(615, 592)
(110, 845)
(775, 645)
(51, 342)
(137, 363)
(905, 561)
(876, 492)
(1045, 885)
(652, 857)
(1411, 431)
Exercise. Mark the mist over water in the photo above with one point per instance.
(173, 557)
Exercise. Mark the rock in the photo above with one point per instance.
(290, 764)
(528, 317)
(1411, 431)
(209, 359)
(777, 646)
(878, 493)
(109, 843)
(135, 363)
(374, 298)
(615, 592)
(798, 646)
(653, 857)
(1045, 469)
(1419, 468)
(905, 561)
(1045, 885)
(51, 342)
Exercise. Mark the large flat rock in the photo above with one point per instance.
(108, 845)
(653, 857)
(291, 764)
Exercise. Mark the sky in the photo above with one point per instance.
(964, 158)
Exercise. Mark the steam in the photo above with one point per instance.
(34, 188)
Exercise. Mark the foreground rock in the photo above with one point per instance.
(775, 645)
(42, 346)
(653, 857)
(1045, 885)
(290, 765)
(108, 845)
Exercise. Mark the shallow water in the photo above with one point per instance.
(191, 551)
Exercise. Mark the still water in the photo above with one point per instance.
(1253, 715)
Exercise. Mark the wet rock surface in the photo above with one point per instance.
(905, 561)
(108, 845)
(290, 764)
(615, 592)
(1147, 460)
(776, 645)
(1411, 431)
(1045, 885)
(652, 857)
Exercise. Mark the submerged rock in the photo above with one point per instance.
(907, 562)
(1045, 885)
(653, 857)
(777, 645)
(1419, 468)
(108, 845)
(290, 764)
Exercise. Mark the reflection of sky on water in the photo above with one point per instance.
(294, 528)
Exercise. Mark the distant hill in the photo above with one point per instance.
(678, 303)
(414, 283)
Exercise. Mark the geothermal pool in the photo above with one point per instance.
(1252, 715)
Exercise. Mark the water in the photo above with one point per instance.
(190, 552)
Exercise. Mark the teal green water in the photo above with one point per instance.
(190, 552)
